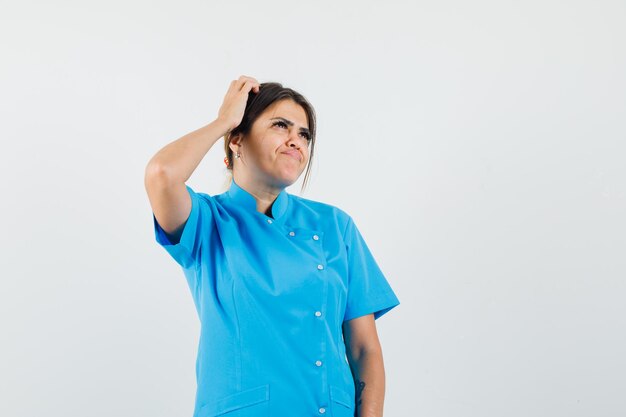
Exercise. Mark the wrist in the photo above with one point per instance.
(223, 125)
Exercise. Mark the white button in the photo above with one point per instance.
(320, 267)
(292, 234)
(322, 410)
(269, 221)
(318, 313)
(316, 237)
(318, 363)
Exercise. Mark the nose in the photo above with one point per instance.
(294, 140)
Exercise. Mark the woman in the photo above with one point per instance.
(282, 284)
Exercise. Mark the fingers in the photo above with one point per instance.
(250, 85)
(244, 84)
(234, 104)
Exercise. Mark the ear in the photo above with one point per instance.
(235, 142)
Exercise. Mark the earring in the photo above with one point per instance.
(237, 156)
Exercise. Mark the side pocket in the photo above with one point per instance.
(250, 402)
(342, 402)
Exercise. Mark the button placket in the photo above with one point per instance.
(316, 237)
(318, 313)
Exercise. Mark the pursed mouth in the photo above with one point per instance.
(293, 155)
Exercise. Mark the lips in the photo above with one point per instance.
(294, 154)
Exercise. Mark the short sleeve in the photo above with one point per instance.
(368, 289)
(187, 250)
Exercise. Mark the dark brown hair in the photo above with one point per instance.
(268, 94)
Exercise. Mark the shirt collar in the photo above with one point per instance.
(243, 198)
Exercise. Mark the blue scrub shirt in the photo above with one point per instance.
(272, 293)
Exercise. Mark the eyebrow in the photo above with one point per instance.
(290, 123)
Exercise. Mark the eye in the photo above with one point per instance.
(283, 124)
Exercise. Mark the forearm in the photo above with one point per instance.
(369, 378)
(179, 159)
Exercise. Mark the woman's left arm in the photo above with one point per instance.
(365, 357)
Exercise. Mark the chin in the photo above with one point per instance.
(288, 180)
(287, 177)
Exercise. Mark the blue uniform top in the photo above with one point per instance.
(272, 293)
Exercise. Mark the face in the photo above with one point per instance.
(276, 151)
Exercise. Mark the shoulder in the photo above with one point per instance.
(209, 205)
(203, 200)
(197, 194)
(302, 203)
(323, 212)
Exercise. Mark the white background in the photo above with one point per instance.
(478, 145)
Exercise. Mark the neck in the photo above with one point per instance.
(265, 194)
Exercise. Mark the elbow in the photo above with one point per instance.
(155, 174)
